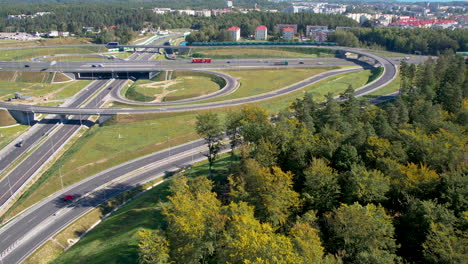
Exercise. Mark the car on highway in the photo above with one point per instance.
(26, 65)
(19, 144)
(320, 63)
(301, 62)
(94, 65)
(68, 198)
(100, 65)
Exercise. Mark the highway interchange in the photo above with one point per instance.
(30, 229)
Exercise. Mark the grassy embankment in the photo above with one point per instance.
(10, 43)
(251, 84)
(182, 85)
(38, 85)
(75, 58)
(127, 137)
(28, 53)
(105, 245)
(260, 52)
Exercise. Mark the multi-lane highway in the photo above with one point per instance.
(16, 179)
(32, 228)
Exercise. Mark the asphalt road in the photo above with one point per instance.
(112, 111)
(27, 168)
(24, 234)
(52, 140)
(231, 85)
(46, 125)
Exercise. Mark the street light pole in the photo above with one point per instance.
(60, 172)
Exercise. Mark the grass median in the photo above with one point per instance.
(262, 52)
(181, 85)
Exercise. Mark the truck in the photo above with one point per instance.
(201, 60)
(281, 63)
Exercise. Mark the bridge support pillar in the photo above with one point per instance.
(25, 118)
(103, 118)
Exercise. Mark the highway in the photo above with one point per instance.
(15, 180)
(25, 233)
(231, 86)
(46, 126)
(112, 111)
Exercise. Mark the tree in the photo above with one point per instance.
(209, 127)
(445, 245)
(154, 247)
(306, 242)
(246, 240)
(364, 186)
(361, 234)
(233, 126)
(255, 124)
(269, 190)
(194, 219)
(321, 188)
(345, 157)
(414, 227)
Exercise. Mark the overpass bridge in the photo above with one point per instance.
(389, 73)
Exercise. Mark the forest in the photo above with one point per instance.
(333, 182)
(131, 17)
(425, 41)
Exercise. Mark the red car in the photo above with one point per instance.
(68, 198)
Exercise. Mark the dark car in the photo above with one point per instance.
(301, 62)
(94, 65)
(26, 66)
(68, 197)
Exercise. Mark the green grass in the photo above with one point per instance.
(10, 133)
(6, 119)
(158, 57)
(271, 79)
(8, 43)
(74, 58)
(122, 55)
(23, 54)
(115, 240)
(71, 89)
(184, 84)
(390, 54)
(388, 89)
(139, 94)
(190, 87)
(231, 53)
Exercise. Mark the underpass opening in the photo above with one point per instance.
(133, 75)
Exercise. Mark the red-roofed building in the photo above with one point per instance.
(288, 33)
(414, 22)
(234, 32)
(261, 33)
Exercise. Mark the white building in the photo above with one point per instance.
(234, 32)
(53, 33)
(161, 11)
(186, 12)
(204, 13)
(261, 33)
(229, 4)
